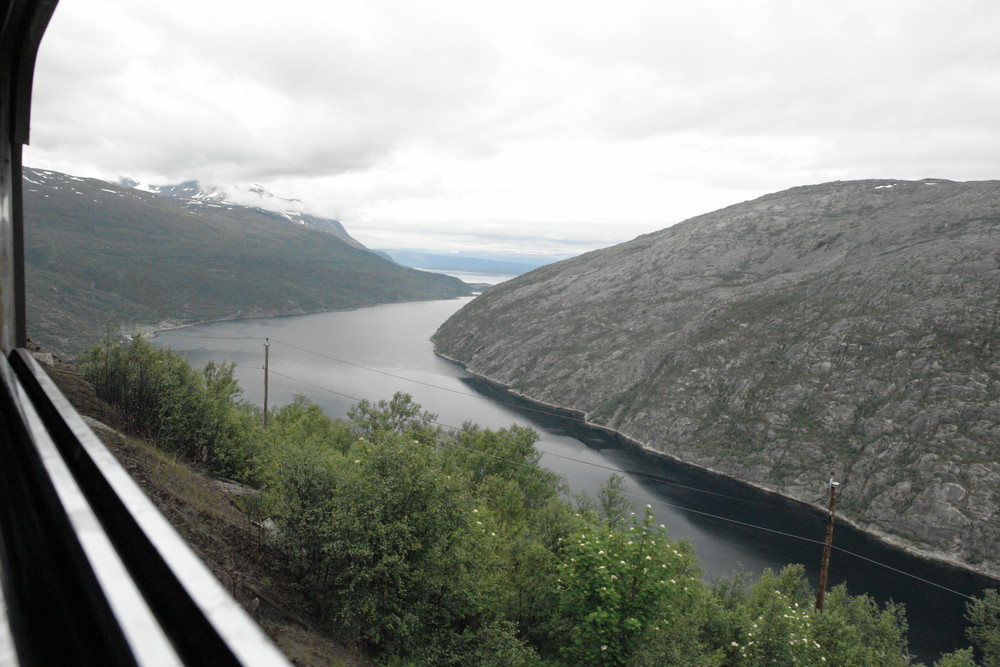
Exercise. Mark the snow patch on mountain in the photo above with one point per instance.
(255, 197)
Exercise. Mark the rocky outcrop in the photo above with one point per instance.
(850, 326)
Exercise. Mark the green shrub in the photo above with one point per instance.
(197, 414)
(458, 549)
(618, 586)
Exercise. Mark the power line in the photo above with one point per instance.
(907, 574)
(597, 465)
(419, 382)
(660, 501)
(686, 487)
(289, 377)
(588, 463)
(568, 414)
(634, 473)
(611, 469)
(512, 405)
(538, 411)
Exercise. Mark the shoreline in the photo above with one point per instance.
(150, 330)
(888, 539)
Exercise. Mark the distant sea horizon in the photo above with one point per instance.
(469, 277)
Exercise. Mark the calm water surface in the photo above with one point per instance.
(338, 358)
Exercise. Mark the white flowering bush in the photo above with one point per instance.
(774, 622)
(778, 630)
(617, 587)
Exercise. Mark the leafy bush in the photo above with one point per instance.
(457, 548)
(775, 622)
(984, 629)
(617, 587)
(400, 416)
(157, 394)
(392, 548)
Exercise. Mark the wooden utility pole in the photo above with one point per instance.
(267, 347)
(824, 569)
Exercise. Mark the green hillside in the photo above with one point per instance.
(97, 253)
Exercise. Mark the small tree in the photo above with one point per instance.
(401, 416)
(984, 627)
(157, 394)
(960, 658)
(618, 587)
(775, 622)
(612, 507)
(612, 504)
(394, 551)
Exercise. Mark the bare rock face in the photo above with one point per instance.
(850, 326)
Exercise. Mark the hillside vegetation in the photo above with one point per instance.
(211, 515)
(95, 251)
(850, 327)
(434, 547)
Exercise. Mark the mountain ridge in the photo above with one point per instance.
(94, 250)
(848, 326)
(255, 198)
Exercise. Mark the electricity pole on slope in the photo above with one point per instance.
(824, 569)
(267, 347)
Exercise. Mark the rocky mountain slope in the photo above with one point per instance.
(99, 254)
(850, 327)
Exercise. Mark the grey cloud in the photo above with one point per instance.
(365, 104)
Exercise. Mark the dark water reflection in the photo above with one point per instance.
(337, 358)
(734, 526)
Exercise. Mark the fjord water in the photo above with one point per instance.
(338, 358)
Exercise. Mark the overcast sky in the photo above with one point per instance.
(539, 126)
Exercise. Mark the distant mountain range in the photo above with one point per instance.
(850, 327)
(470, 262)
(99, 254)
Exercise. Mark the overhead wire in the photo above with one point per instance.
(635, 473)
(682, 508)
(316, 386)
(425, 384)
(904, 573)
(518, 406)
(567, 414)
(637, 496)
(579, 461)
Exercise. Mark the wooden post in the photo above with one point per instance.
(824, 569)
(267, 347)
